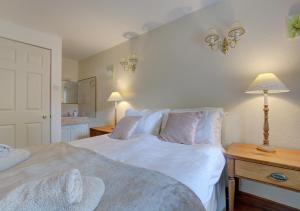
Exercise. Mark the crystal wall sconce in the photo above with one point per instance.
(129, 63)
(234, 34)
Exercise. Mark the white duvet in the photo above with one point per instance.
(197, 166)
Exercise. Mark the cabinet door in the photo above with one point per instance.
(66, 134)
(79, 132)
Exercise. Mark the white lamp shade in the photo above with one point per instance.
(266, 82)
(115, 96)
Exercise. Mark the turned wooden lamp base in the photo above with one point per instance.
(266, 148)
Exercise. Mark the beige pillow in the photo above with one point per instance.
(181, 127)
(125, 127)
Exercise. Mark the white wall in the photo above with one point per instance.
(176, 69)
(54, 43)
(70, 70)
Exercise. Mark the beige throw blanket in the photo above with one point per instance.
(127, 188)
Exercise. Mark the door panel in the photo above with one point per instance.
(7, 134)
(24, 94)
(7, 89)
(34, 91)
(34, 133)
(8, 53)
(35, 59)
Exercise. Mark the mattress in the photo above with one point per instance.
(199, 167)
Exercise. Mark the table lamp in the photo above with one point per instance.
(266, 83)
(115, 97)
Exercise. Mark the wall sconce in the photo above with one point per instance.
(129, 63)
(234, 34)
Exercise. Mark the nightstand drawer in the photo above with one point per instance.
(281, 177)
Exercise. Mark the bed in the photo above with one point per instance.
(199, 167)
(140, 173)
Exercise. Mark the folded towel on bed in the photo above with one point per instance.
(93, 190)
(4, 150)
(13, 157)
(71, 184)
(67, 191)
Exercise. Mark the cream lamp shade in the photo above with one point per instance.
(115, 97)
(266, 82)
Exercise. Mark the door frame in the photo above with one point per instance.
(50, 41)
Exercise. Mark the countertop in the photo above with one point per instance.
(74, 120)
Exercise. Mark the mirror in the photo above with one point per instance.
(87, 97)
(69, 92)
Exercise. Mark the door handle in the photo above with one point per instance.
(44, 116)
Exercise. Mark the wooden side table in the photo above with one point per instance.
(98, 131)
(281, 168)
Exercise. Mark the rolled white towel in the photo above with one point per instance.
(93, 190)
(49, 193)
(4, 150)
(73, 186)
(14, 157)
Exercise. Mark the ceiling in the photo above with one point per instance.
(90, 26)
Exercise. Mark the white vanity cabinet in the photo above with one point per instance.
(74, 132)
(72, 129)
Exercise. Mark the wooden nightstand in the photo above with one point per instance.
(98, 131)
(281, 168)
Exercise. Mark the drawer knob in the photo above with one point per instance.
(279, 177)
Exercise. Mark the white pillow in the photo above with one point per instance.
(209, 129)
(150, 122)
(133, 112)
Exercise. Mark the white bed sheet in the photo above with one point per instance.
(199, 167)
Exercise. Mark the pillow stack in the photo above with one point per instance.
(184, 126)
(150, 122)
(139, 122)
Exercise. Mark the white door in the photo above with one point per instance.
(24, 94)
